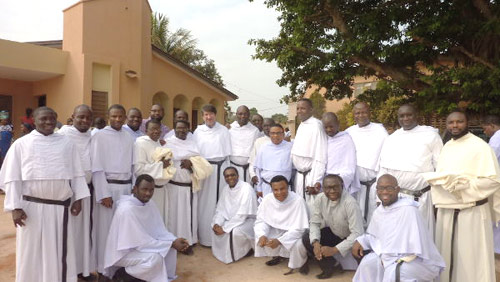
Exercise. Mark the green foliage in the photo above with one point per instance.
(280, 118)
(345, 116)
(182, 46)
(319, 103)
(253, 111)
(434, 53)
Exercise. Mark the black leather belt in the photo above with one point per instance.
(455, 218)
(245, 168)
(190, 185)
(116, 181)
(158, 186)
(91, 189)
(415, 193)
(65, 204)
(219, 166)
(368, 185)
(304, 174)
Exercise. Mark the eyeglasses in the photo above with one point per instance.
(388, 189)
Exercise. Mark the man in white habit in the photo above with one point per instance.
(273, 159)
(258, 121)
(264, 139)
(83, 224)
(335, 224)
(341, 153)
(401, 246)
(408, 153)
(139, 246)
(134, 120)
(144, 163)
(181, 196)
(214, 144)
(309, 153)
(243, 135)
(40, 175)
(281, 222)
(112, 153)
(465, 190)
(368, 137)
(491, 127)
(234, 219)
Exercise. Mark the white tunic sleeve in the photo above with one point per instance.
(13, 195)
(100, 186)
(290, 237)
(261, 229)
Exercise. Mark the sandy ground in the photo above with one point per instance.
(201, 267)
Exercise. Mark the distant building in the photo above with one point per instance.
(105, 57)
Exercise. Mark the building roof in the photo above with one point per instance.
(58, 45)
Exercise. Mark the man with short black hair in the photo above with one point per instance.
(234, 218)
(41, 173)
(84, 231)
(281, 221)
(134, 121)
(157, 112)
(214, 143)
(339, 213)
(139, 246)
(265, 139)
(112, 153)
(467, 178)
(257, 121)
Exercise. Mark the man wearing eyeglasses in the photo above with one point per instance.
(343, 223)
(401, 246)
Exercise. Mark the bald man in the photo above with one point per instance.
(41, 173)
(84, 231)
(157, 112)
(465, 190)
(180, 115)
(402, 247)
(243, 135)
(368, 137)
(341, 154)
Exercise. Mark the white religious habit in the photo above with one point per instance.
(309, 156)
(139, 241)
(342, 160)
(272, 160)
(242, 140)
(401, 246)
(465, 190)
(406, 155)
(368, 140)
(182, 200)
(112, 153)
(495, 145)
(135, 134)
(253, 154)
(285, 221)
(235, 213)
(83, 223)
(144, 163)
(40, 174)
(214, 144)
(344, 219)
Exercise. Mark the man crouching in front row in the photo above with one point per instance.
(139, 247)
(281, 221)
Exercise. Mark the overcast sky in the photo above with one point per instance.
(222, 28)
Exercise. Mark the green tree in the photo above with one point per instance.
(253, 111)
(318, 102)
(182, 46)
(280, 118)
(437, 53)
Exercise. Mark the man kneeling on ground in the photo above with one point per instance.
(339, 213)
(139, 247)
(281, 221)
(402, 248)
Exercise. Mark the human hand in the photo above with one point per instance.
(317, 250)
(273, 244)
(107, 202)
(328, 251)
(187, 164)
(180, 244)
(166, 163)
(76, 207)
(255, 180)
(357, 250)
(18, 217)
(262, 241)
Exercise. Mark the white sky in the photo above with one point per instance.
(222, 28)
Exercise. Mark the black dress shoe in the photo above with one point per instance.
(274, 261)
(91, 277)
(304, 269)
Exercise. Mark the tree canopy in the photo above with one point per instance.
(433, 53)
(182, 46)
